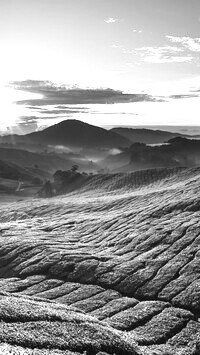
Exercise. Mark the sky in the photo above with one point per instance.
(106, 62)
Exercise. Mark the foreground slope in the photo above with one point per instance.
(28, 324)
(123, 250)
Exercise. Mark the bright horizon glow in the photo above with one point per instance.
(136, 46)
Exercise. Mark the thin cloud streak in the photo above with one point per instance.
(184, 96)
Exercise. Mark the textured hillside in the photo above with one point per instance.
(112, 268)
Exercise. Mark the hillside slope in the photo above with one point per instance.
(177, 152)
(48, 163)
(124, 250)
(143, 135)
(14, 172)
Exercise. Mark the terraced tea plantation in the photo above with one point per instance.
(111, 268)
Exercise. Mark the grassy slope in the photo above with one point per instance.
(123, 249)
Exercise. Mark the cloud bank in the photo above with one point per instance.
(52, 94)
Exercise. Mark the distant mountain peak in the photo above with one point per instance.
(73, 132)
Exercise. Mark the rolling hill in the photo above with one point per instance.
(13, 172)
(46, 163)
(147, 136)
(112, 267)
(177, 152)
(10, 174)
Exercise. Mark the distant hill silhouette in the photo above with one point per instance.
(177, 152)
(75, 133)
(79, 134)
(147, 136)
(183, 142)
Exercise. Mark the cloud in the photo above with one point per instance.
(116, 46)
(111, 20)
(52, 94)
(72, 108)
(27, 119)
(158, 54)
(137, 31)
(161, 49)
(24, 125)
(195, 90)
(163, 54)
(184, 96)
(192, 44)
(61, 111)
(28, 124)
(124, 50)
(180, 50)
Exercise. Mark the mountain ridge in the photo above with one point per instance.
(148, 136)
(73, 132)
